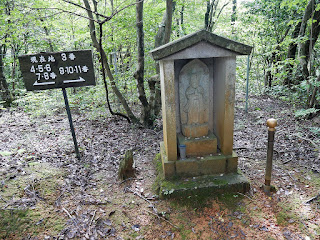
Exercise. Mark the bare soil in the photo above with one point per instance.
(47, 193)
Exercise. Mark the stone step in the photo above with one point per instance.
(204, 185)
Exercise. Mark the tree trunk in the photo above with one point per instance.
(303, 52)
(139, 74)
(234, 12)
(182, 27)
(162, 37)
(206, 15)
(234, 16)
(4, 88)
(104, 58)
(291, 54)
(212, 14)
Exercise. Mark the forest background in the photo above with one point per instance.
(283, 33)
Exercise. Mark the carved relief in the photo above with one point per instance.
(193, 96)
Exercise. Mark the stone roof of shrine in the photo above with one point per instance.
(201, 36)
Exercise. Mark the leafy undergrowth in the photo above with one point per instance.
(46, 193)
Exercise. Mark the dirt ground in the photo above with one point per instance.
(47, 193)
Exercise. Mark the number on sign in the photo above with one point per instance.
(32, 69)
(39, 76)
(46, 76)
(48, 67)
(64, 57)
(69, 70)
(61, 70)
(40, 68)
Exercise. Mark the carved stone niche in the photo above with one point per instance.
(197, 76)
(194, 105)
(194, 99)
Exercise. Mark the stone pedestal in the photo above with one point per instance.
(199, 146)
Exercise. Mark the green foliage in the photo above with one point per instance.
(302, 113)
(12, 221)
(315, 130)
(5, 153)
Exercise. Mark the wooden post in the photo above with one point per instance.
(271, 123)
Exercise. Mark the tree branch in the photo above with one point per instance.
(65, 11)
(78, 5)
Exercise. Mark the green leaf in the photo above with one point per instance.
(5, 153)
(304, 112)
(20, 151)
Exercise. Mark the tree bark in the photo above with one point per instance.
(303, 52)
(6, 96)
(139, 74)
(104, 59)
(212, 14)
(162, 37)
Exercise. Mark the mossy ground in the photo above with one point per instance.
(39, 219)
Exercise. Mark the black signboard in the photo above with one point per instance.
(57, 70)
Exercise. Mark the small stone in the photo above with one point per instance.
(136, 227)
(264, 228)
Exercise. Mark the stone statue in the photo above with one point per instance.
(194, 99)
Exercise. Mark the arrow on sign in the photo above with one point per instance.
(43, 83)
(75, 80)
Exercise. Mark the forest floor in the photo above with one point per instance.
(46, 193)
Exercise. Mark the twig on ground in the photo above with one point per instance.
(66, 211)
(293, 178)
(94, 214)
(129, 179)
(3, 199)
(309, 140)
(94, 202)
(162, 218)
(313, 199)
(142, 197)
(246, 196)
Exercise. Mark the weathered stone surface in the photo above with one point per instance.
(204, 185)
(169, 167)
(126, 169)
(194, 38)
(201, 50)
(232, 163)
(168, 109)
(193, 96)
(213, 165)
(199, 146)
(195, 166)
(225, 103)
(187, 168)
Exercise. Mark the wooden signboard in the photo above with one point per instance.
(57, 70)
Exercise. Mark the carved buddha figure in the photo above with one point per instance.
(194, 100)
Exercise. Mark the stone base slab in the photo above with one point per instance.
(205, 185)
(199, 146)
(198, 166)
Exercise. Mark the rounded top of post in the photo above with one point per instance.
(272, 123)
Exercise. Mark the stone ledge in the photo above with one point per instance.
(206, 185)
(199, 146)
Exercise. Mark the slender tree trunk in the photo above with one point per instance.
(104, 58)
(212, 14)
(162, 37)
(139, 74)
(4, 88)
(234, 16)
(183, 29)
(303, 52)
(291, 55)
(206, 15)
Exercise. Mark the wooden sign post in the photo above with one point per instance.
(58, 70)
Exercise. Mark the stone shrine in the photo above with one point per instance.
(197, 74)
